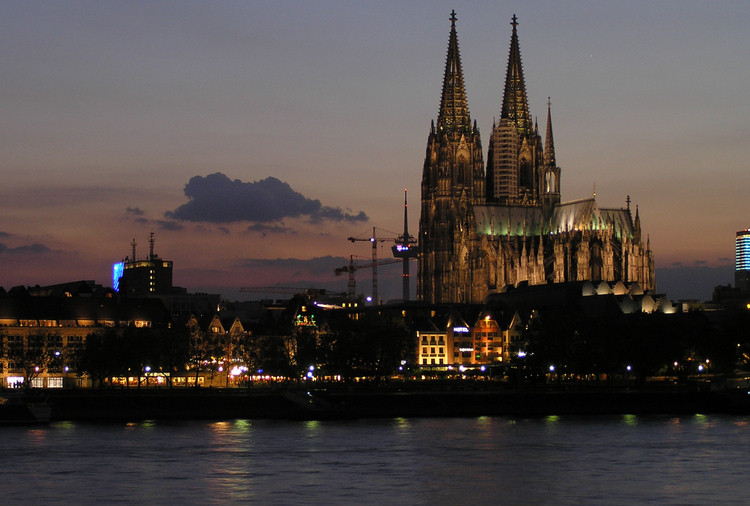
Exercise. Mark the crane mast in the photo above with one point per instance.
(374, 240)
(352, 268)
(405, 248)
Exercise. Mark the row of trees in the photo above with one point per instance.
(374, 345)
(370, 346)
(639, 344)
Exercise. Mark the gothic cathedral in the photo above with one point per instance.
(480, 231)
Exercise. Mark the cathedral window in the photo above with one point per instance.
(596, 262)
(462, 170)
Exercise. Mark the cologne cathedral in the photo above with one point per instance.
(483, 229)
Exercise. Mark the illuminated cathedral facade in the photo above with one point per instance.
(483, 228)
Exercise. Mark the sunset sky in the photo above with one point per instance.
(253, 138)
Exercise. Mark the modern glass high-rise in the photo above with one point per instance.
(742, 260)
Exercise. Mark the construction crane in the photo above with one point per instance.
(374, 240)
(405, 248)
(352, 268)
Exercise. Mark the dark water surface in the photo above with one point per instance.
(660, 460)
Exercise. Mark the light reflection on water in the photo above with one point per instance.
(628, 459)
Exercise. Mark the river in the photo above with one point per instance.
(608, 460)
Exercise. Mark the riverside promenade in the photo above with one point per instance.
(298, 402)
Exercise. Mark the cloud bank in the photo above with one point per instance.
(217, 199)
(27, 249)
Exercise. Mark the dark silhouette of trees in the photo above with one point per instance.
(128, 352)
(606, 344)
(33, 354)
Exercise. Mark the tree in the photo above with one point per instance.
(102, 356)
(32, 355)
(198, 348)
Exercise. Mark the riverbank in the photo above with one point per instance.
(296, 403)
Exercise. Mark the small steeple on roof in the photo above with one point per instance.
(637, 225)
(549, 142)
(454, 108)
(515, 103)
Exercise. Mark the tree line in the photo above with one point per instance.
(368, 346)
(372, 345)
(638, 345)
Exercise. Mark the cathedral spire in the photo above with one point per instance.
(515, 103)
(454, 109)
(637, 226)
(549, 143)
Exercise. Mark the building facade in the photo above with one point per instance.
(742, 261)
(143, 277)
(43, 330)
(481, 230)
(461, 336)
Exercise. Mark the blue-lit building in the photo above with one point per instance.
(143, 277)
(742, 260)
(151, 277)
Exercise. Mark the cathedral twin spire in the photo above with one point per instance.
(515, 103)
(454, 109)
(519, 176)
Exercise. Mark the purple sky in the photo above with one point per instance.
(242, 133)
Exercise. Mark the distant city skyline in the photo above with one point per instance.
(254, 139)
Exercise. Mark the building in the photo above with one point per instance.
(493, 336)
(481, 230)
(136, 277)
(742, 261)
(152, 277)
(46, 328)
(467, 335)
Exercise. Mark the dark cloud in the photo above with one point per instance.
(218, 199)
(298, 266)
(135, 211)
(28, 249)
(700, 263)
(336, 214)
(4, 234)
(316, 272)
(269, 229)
(224, 230)
(726, 259)
(168, 225)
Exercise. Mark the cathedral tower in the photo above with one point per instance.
(452, 183)
(480, 233)
(518, 172)
(550, 173)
